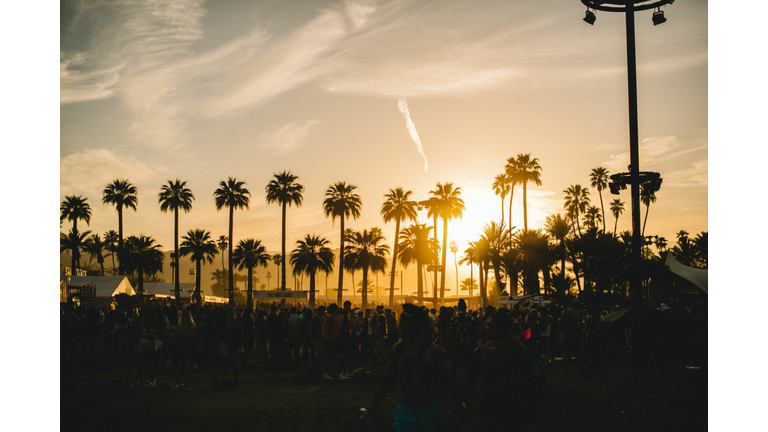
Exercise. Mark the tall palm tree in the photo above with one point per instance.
(142, 255)
(122, 194)
(222, 244)
(534, 246)
(284, 190)
(95, 247)
(341, 202)
(647, 196)
(496, 241)
(481, 258)
(469, 258)
(416, 246)
(513, 178)
(312, 255)
(73, 242)
(576, 202)
(528, 171)
(74, 208)
(599, 180)
(233, 195)
(175, 195)
(278, 260)
(248, 254)
(558, 228)
(111, 242)
(449, 206)
(501, 187)
(366, 252)
(592, 216)
(200, 246)
(617, 208)
(455, 249)
(398, 207)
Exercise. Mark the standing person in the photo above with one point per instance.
(393, 333)
(570, 335)
(185, 348)
(421, 369)
(304, 334)
(294, 336)
(462, 336)
(331, 341)
(316, 326)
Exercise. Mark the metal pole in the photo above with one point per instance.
(635, 292)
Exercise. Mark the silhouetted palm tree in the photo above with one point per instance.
(175, 195)
(341, 202)
(248, 254)
(535, 248)
(122, 194)
(284, 190)
(599, 180)
(74, 208)
(455, 249)
(142, 255)
(592, 216)
(469, 258)
(501, 187)
(73, 242)
(512, 177)
(95, 247)
(111, 243)
(481, 258)
(222, 244)
(231, 194)
(528, 171)
(200, 246)
(558, 228)
(278, 260)
(416, 246)
(367, 253)
(647, 196)
(496, 240)
(617, 208)
(312, 255)
(449, 206)
(576, 202)
(398, 207)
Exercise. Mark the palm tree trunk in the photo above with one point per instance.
(602, 209)
(647, 210)
(341, 264)
(483, 300)
(249, 296)
(283, 248)
(394, 266)
(615, 225)
(312, 290)
(230, 265)
(419, 282)
(456, 263)
(471, 280)
(434, 286)
(176, 271)
(502, 209)
(364, 293)
(525, 205)
(442, 263)
(119, 238)
(511, 193)
(198, 280)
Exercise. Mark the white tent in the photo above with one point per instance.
(106, 286)
(693, 275)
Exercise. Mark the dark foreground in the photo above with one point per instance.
(633, 397)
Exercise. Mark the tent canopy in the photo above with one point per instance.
(693, 275)
(106, 286)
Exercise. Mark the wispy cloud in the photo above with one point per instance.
(402, 105)
(88, 171)
(652, 149)
(694, 175)
(78, 84)
(288, 137)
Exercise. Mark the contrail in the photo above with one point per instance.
(402, 105)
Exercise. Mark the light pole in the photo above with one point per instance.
(634, 177)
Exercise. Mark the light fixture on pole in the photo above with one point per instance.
(590, 17)
(658, 17)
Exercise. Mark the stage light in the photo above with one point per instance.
(590, 18)
(658, 17)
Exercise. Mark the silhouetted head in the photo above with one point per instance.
(413, 323)
(462, 305)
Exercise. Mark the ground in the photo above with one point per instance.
(633, 397)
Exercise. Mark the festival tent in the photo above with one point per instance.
(165, 289)
(696, 276)
(106, 286)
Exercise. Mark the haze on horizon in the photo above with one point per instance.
(203, 91)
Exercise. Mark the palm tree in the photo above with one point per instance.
(647, 196)
(449, 206)
(122, 194)
(511, 171)
(528, 170)
(481, 258)
(469, 258)
(416, 246)
(365, 252)
(111, 242)
(397, 206)
(142, 255)
(497, 242)
(341, 202)
(468, 284)
(501, 187)
(278, 260)
(617, 208)
(599, 180)
(73, 242)
(558, 228)
(534, 247)
(311, 256)
(248, 254)
(231, 194)
(455, 249)
(175, 195)
(200, 246)
(74, 208)
(222, 244)
(576, 201)
(592, 216)
(95, 247)
(284, 190)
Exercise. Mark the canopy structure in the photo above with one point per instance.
(693, 275)
(106, 286)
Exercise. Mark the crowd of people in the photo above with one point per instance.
(493, 353)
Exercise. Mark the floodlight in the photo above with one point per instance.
(658, 17)
(590, 18)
